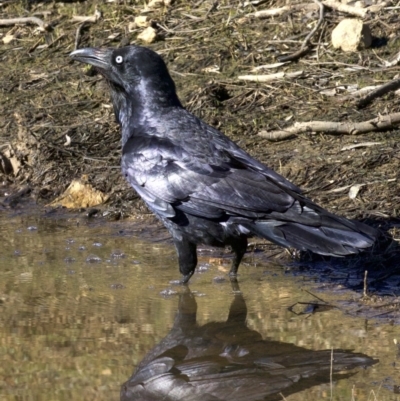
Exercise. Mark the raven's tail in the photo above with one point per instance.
(332, 236)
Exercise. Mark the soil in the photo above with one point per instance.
(45, 99)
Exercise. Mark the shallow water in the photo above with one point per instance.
(82, 303)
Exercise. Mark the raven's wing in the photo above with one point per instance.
(205, 175)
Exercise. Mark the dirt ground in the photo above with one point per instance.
(46, 99)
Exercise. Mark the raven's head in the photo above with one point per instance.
(138, 76)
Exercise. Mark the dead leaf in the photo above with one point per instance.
(80, 194)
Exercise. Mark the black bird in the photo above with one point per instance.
(200, 184)
(221, 361)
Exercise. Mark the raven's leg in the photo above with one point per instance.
(239, 246)
(187, 256)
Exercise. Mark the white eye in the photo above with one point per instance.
(119, 59)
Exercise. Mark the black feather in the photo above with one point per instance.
(204, 188)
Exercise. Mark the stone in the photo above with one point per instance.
(351, 35)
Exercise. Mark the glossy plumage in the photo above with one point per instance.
(203, 187)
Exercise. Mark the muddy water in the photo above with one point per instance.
(82, 304)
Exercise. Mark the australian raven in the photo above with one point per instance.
(201, 185)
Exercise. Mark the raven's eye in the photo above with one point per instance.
(119, 59)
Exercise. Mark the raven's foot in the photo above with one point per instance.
(235, 285)
(183, 281)
(186, 278)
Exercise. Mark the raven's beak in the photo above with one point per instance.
(99, 58)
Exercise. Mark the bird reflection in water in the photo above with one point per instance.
(228, 361)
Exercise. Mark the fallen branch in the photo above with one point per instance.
(267, 66)
(24, 21)
(273, 12)
(344, 8)
(329, 127)
(379, 91)
(271, 77)
(357, 11)
(359, 145)
(93, 18)
(305, 48)
(346, 187)
(355, 94)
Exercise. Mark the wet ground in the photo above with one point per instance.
(83, 303)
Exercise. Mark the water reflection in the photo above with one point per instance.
(229, 361)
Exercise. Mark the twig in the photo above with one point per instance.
(82, 18)
(294, 56)
(379, 91)
(305, 48)
(33, 48)
(56, 40)
(272, 12)
(346, 187)
(213, 7)
(356, 11)
(360, 145)
(359, 12)
(42, 13)
(78, 34)
(84, 21)
(271, 77)
(26, 20)
(394, 61)
(379, 123)
(267, 66)
(313, 295)
(320, 20)
(94, 18)
(254, 3)
(352, 95)
(365, 294)
(319, 43)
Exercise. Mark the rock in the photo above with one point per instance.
(149, 35)
(351, 35)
